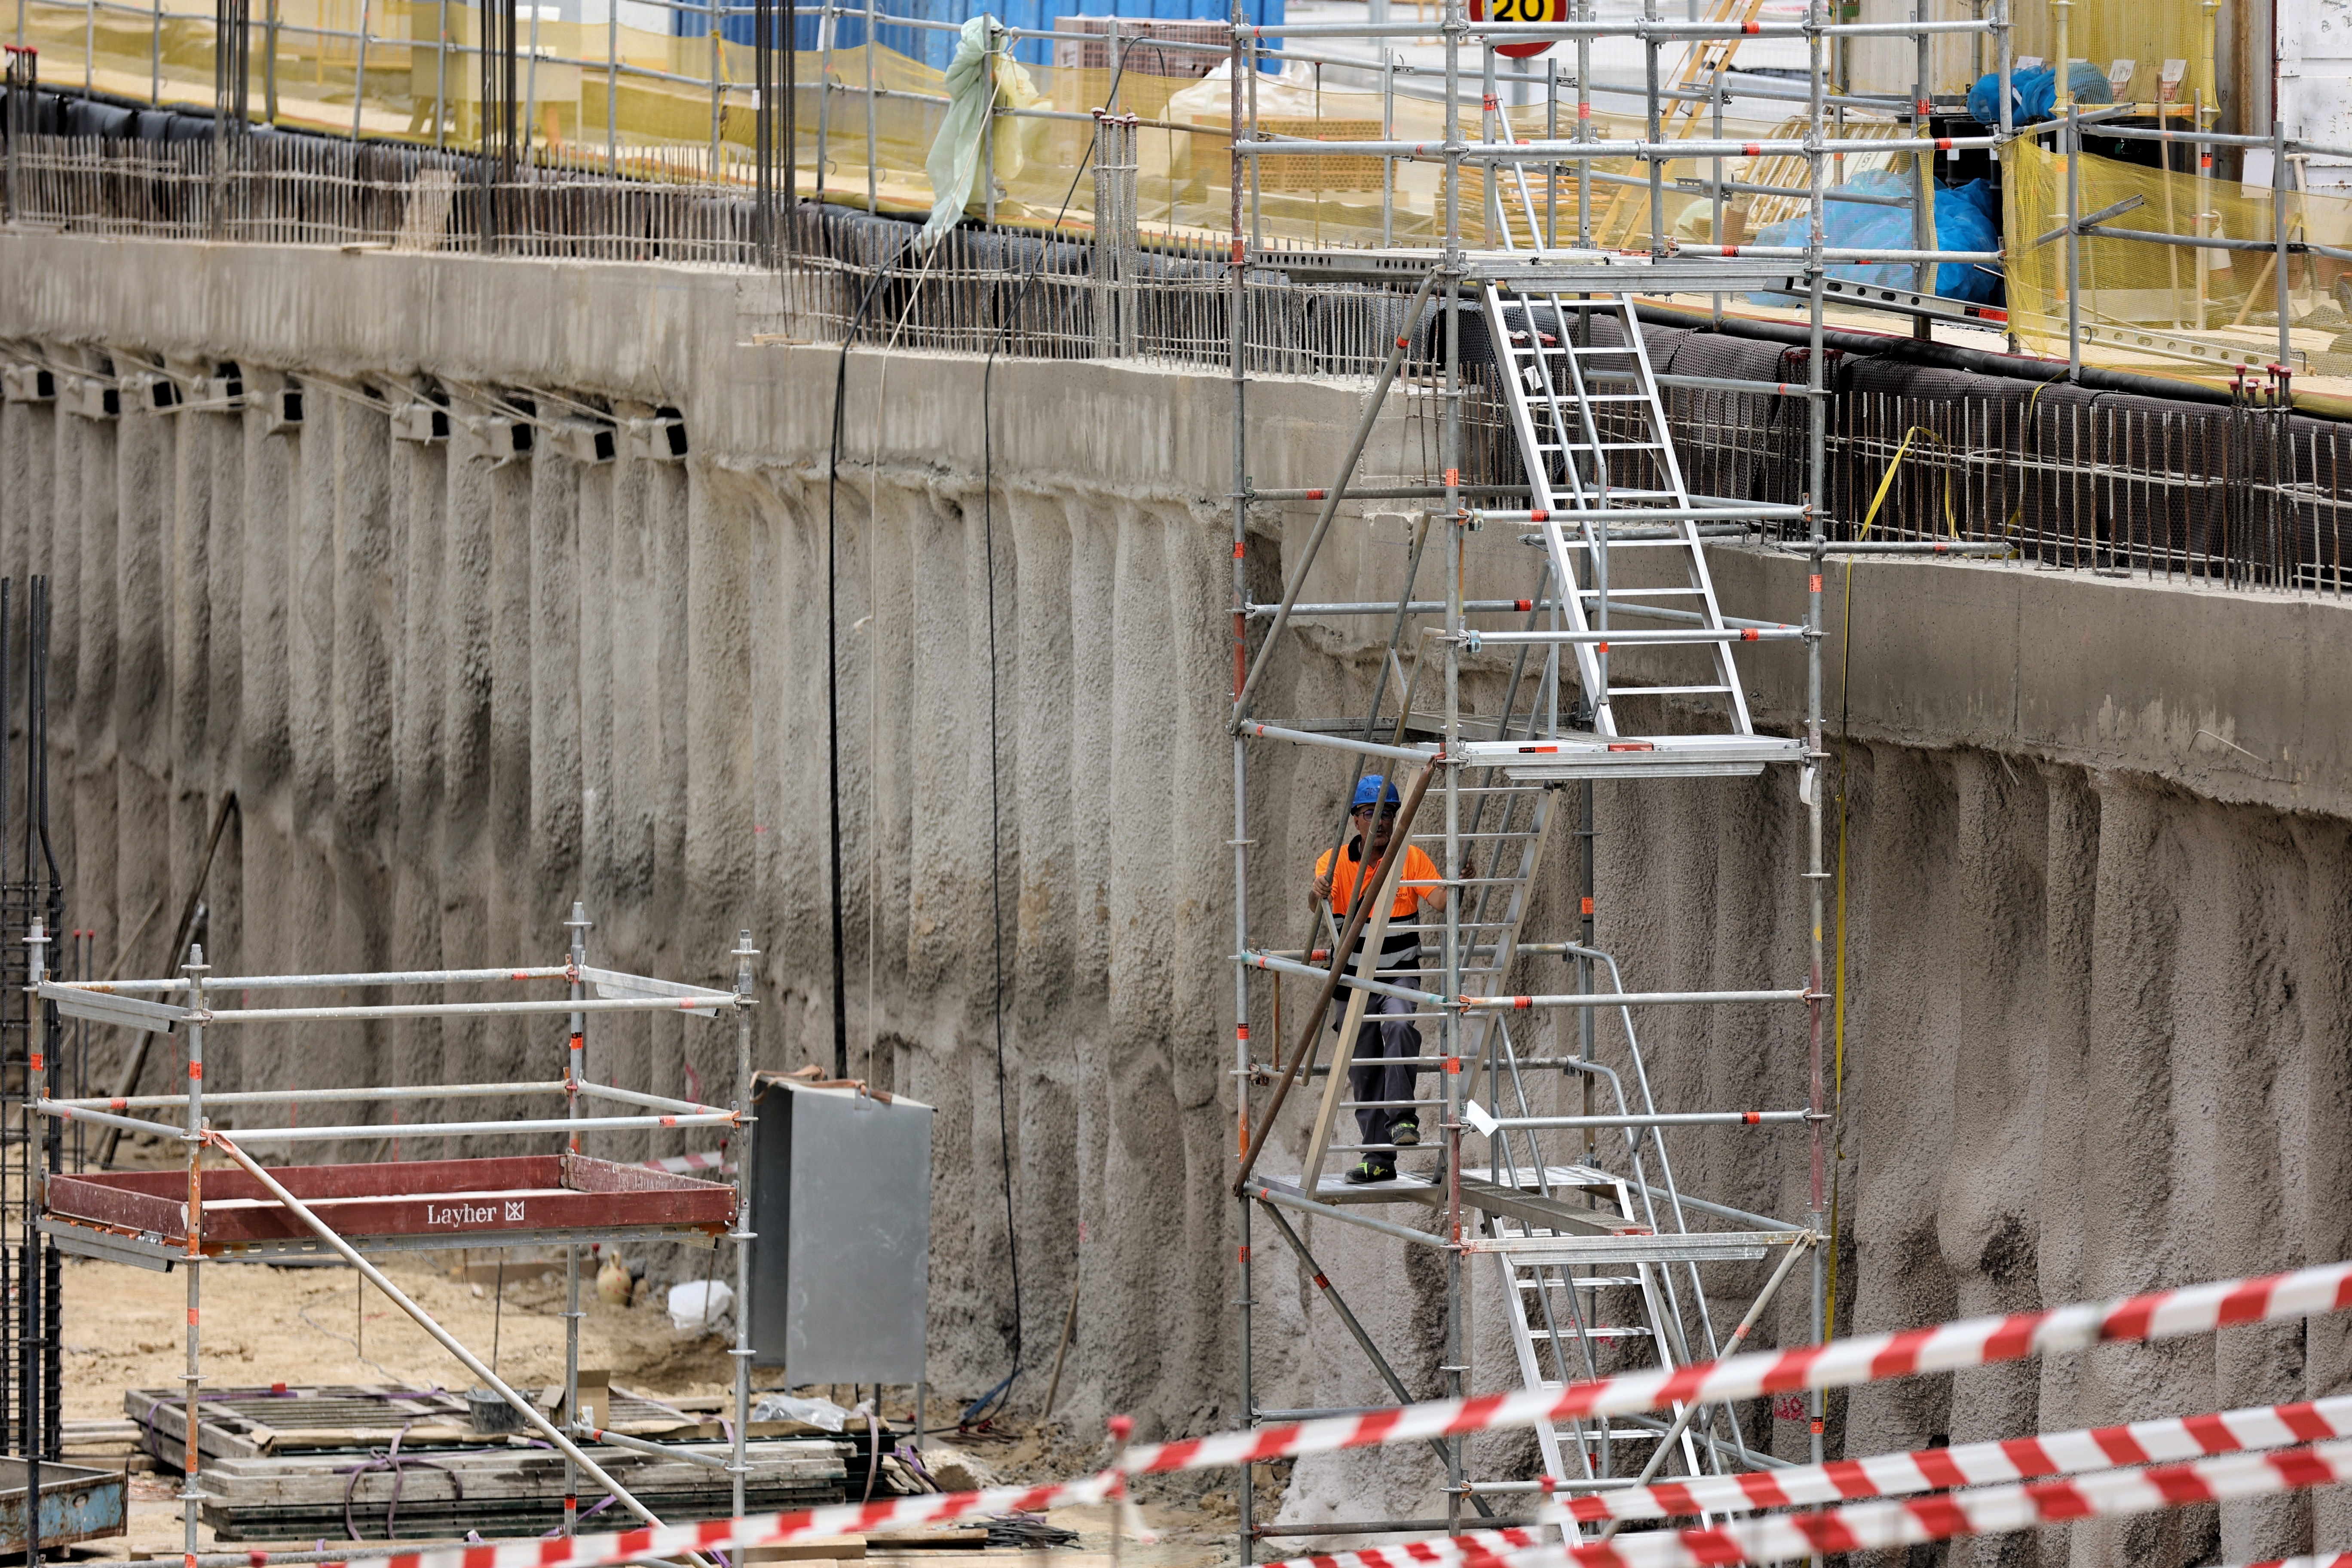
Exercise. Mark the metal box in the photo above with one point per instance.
(420, 422)
(585, 440)
(841, 1199)
(27, 383)
(77, 1504)
(90, 396)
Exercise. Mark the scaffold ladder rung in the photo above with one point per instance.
(1587, 454)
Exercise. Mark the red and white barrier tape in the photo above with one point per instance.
(1910, 1521)
(679, 1164)
(757, 1529)
(1977, 1463)
(1979, 1341)
(1476, 1548)
(1990, 1511)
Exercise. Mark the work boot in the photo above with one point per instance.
(1368, 1170)
(1406, 1133)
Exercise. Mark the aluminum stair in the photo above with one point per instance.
(1593, 435)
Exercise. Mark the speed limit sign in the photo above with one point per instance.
(1522, 10)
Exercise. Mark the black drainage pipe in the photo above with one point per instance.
(1944, 356)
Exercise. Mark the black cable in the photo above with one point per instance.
(993, 1402)
(833, 663)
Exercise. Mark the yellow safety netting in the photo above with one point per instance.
(2132, 40)
(407, 70)
(2161, 306)
(586, 86)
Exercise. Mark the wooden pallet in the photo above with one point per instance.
(258, 1422)
(506, 1490)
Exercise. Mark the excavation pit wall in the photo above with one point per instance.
(2094, 847)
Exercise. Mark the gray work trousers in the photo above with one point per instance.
(1375, 1073)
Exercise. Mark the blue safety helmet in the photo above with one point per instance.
(1372, 789)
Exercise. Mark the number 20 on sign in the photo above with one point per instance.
(1521, 11)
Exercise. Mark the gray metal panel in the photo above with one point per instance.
(843, 1181)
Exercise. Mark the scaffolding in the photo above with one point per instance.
(1616, 663)
(252, 1213)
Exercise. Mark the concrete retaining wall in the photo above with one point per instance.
(2096, 856)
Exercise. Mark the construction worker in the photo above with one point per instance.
(1383, 1119)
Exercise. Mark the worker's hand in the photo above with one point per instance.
(1469, 869)
(1323, 886)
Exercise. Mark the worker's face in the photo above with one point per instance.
(1376, 830)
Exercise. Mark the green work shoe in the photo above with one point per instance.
(1405, 1134)
(1368, 1170)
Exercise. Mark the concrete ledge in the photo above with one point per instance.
(2227, 693)
(667, 335)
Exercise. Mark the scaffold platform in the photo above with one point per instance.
(141, 1217)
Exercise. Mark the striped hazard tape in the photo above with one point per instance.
(1977, 1463)
(1988, 1510)
(1893, 1522)
(1471, 1549)
(757, 1529)
(1856, 1527)
(1869, 1358)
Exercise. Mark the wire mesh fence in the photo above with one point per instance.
(2233, 496)
(303, 190)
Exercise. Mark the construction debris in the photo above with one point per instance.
(514, 1488)
(262, 1422)
(354, 1461)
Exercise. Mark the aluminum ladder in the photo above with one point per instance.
(1604, 478)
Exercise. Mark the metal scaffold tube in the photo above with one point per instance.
(191, 1450)
(738, 1459)
(575, 1074)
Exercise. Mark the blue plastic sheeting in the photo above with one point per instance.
(935, 47)
(1966, 219)
(2033, 94)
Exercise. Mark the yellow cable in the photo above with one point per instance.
(1837, 987)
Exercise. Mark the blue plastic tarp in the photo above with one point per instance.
(1965, 217)
(2033, 94)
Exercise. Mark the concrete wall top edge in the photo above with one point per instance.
(2220, 693)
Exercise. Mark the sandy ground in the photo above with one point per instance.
(264, 1325)
(320, 1325)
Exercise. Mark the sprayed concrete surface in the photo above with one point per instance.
(2094, 842)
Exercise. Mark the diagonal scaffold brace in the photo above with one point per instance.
(448, 1342)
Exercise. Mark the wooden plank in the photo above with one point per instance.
(959, 1538)
(166, 1436)
(811, 1550)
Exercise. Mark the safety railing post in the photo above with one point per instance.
(1104, 266)
(873, 119)
(191, 1455)
(2279, 188)
(2073, 215)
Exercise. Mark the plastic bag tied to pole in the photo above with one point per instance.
(1964, 221)
(983, 69)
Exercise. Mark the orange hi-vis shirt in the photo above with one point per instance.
(1418, 867)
